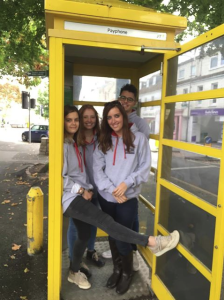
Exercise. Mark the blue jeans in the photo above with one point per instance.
(72, 234)
(124, 214)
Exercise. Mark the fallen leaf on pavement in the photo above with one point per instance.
(14, 204)
(23, 297)
(16, 247)
(6, 180)
(6, 201)
(26, 270)
(22, 183)
(34, 174)
(12, 257)
(5, 265)
(44, 218)
(25, 224)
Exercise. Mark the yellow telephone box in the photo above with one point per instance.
(123, 41)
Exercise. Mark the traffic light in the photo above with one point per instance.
(32, 103)
(25, 100)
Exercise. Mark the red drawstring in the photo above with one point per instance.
(115, 152)
(79, 157)
(84, 149)
(84, 154)
(124, 151)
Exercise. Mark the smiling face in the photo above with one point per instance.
(128, 102)
(89, 119)
(71, 124)
(115, 121)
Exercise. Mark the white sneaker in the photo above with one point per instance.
(135, 261)
(107, 254)
(165, 243)
(79, 279)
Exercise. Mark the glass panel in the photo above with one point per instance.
(150, 87)
(148, 190)
(197, 174)
(200, 66)
(196, 226)
(181, 278)
(154, 146)
(152, 115)
(198, 122)
(146, 219)
(100, 89)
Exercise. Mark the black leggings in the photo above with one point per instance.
(86, 212)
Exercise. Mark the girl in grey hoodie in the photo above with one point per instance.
(76, 203)
(89, 131)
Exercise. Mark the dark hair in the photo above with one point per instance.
(81, 134)
(130, 88)
(67, 110)
(105, 140)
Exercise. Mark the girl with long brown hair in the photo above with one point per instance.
(121, 163)
(87, 138)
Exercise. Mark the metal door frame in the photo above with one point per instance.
(215, 275)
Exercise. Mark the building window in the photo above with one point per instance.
(199, 102)
(193, 70)
(200, 88)
(185, 91)
(214, 86)
(181, 74)
(222, 60)
(152, 98)
(143, 84)
(214, 62)
(154, 80)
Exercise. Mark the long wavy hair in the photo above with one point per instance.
(81, 138)
(67, 110)
(105, 140)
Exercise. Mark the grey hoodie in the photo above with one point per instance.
(141, 124)
(117, 166)
(73, 172)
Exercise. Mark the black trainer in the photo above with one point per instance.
(93, 257)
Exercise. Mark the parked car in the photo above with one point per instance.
(37, 132)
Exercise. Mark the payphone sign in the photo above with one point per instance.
(115, 31)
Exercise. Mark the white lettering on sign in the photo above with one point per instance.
(115, 31)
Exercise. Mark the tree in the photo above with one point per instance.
(43, 100)
(22, 39)
(202, 15)
(9, 93)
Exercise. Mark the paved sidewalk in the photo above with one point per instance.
(21, 276)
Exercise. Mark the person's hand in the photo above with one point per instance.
(120, 190)
(121, 199)
(87, 195)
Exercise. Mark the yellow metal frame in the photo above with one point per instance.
(214, 276)
(55, 167)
